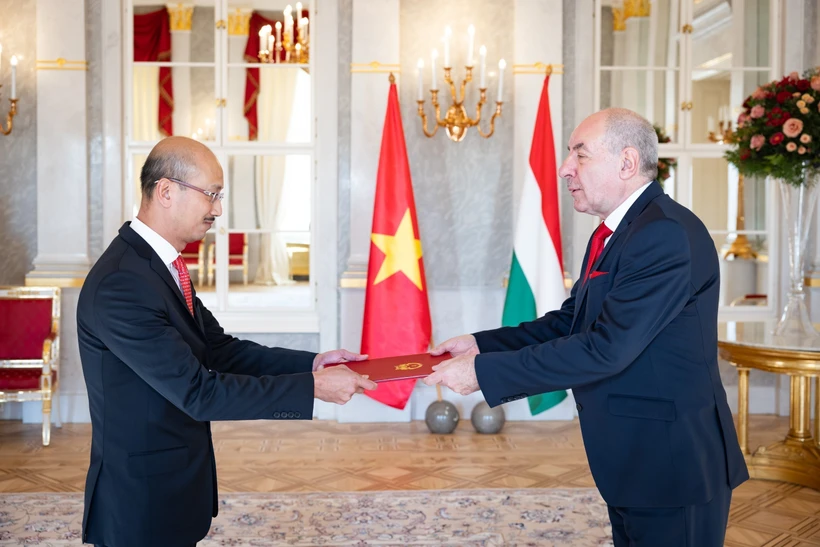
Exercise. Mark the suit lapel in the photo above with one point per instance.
(146, 251)
(653, 191)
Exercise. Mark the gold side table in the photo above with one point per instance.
(796, 458)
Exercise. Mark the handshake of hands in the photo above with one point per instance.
(338, 384)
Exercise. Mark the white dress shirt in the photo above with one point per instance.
(615, 218)
(165, 250)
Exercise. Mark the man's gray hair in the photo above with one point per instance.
(625, 128)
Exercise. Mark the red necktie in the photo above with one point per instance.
(185, 282)
(597, 246)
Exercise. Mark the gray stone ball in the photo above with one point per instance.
(488, 420)
(441, 417)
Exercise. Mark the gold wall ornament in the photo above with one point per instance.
(61, 63)
(181, 17)
(7, 129)
(538, 68)
(239, 22)
(375, 67)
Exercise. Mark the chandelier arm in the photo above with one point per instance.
(9, 118)
(468, 77)
(492, 122)
(424, 120)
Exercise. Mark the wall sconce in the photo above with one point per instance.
(296, 46)
(724, 135)
(457, 121)
(5, 130)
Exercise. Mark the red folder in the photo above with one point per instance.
(403, 367)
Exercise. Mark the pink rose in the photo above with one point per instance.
(805, 139)
(757, 142)
(792, 127)
(801, 150)
(759, 93)
(742, 119)
(791, 147)
(757, 111)
(815, 83)
(794, 76)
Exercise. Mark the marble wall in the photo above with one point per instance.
(18, 151)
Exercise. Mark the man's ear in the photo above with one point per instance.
(630, 162)
(162, 192)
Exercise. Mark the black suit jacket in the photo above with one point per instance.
(637, 344)
(156, 376)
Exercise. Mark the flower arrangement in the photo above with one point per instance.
(778, 131)
(665, 165)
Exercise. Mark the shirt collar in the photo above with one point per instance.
(615, 218)
(167, 253)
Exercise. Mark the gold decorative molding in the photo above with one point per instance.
(636, 8)
(812, 282)
(63, 282)
(538, 68)
(239, 22)
(181, 16)
(375, 67)
(618, 19)
(353, 283)
(61, 64)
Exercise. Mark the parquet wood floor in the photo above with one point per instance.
(324, 456)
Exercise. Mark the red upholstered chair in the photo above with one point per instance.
(30, 348)
(194, 256)
(237, 256)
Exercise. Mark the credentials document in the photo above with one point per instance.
(403, 367)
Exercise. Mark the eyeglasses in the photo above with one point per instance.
(213, 196)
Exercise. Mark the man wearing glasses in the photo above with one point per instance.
(159, 368)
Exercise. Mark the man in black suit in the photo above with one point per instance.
(159, 368)
(636, 341)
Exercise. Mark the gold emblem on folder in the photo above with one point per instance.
(408, 366)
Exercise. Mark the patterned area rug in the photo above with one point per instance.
(576, 517)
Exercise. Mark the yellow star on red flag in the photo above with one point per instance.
(402, 252)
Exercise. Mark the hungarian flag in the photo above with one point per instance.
(396, 312)
(536, 283)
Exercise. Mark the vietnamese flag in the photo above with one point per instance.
(396, 312)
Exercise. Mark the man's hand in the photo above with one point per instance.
(338, 384)
(457, 373)
(335, 356)
(460, 345)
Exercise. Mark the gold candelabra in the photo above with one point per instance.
(740, 247)
(724, 134)
(295, 45)
(457, 121)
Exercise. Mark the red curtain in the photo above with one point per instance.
(152, 43)
(252, 56)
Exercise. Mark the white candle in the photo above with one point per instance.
(482, 57)
(305, 30)
(447, 33)
(14, 76)
(502, 64)
(710, 124)
(419, 68)
(270, 44)
(470, 44)
(278, 32)
(433, 58)
(299, 14)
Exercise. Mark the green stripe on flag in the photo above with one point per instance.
(519, 307)
(519, 304)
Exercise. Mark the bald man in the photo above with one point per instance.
(636, 341)
(159, 368)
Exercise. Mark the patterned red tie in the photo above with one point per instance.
(597, 246)
(185, 282)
